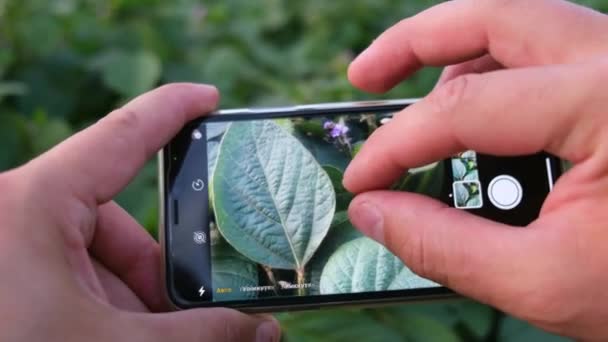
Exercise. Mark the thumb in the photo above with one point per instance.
(212, 325)
(476, 257)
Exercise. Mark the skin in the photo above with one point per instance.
(526, 76)
(76, 266)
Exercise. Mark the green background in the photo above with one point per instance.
(66, 63)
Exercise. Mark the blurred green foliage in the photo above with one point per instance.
(66, 63)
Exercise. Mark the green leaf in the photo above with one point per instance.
(13, 136)
(476, 318)
(12, 89)
(419, 328)
(462, 195)
(46, 132)
(215, 132)
(472, 175)
(426, 180)
(341, 232)
(325, 153)
(459, 169)
(343, 197)
(130, 73)
(273, 201)
(514, 330)
(474, 201)
(344, 325)
(232, 270)
(363, 265)
(357, 147)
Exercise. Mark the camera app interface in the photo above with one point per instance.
(277, 210)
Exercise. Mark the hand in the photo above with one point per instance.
(529, 76)
(75, 266)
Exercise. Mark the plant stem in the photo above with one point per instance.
(301, 280)
(271, 278)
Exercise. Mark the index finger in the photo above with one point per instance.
(557, 109)
(100, 161)
(516, 33)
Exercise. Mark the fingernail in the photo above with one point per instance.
(268, 332)
(368, 219)
(209, 89)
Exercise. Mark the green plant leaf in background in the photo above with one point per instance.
(232, 270)
(260, 53)
(130, 73)
(274, 203)
(364, 265)
(336, 326)
(514, 330)
(472, 319)
(349, 325)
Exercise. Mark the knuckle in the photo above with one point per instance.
(230, 326)
(416, 253)
(123, 119)
(123, 124)
(452, 95)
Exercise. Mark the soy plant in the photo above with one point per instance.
(278, 207)
(273, 201)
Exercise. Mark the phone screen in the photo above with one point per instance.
(258, 213)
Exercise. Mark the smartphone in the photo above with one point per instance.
(254, 214)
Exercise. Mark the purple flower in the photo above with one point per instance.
(338, 130)
(328, 125)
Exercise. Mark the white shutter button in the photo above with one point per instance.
(505, 192)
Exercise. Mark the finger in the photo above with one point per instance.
(515, 33)
(479, 65)
(130, 253)
(118, 294)
(511, 112)
(209, 325)
(98, 162)
(471, 255)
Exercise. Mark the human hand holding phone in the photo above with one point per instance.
(528, 77)
(77, 267)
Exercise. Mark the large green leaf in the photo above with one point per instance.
(232, 270)
(344, 325)
(363, 265)
(419, 328)
(273, 201)
(341, 232)
(514, 330)
(476, 319)
(130, 73)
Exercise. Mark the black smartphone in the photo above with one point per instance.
(253, 211)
